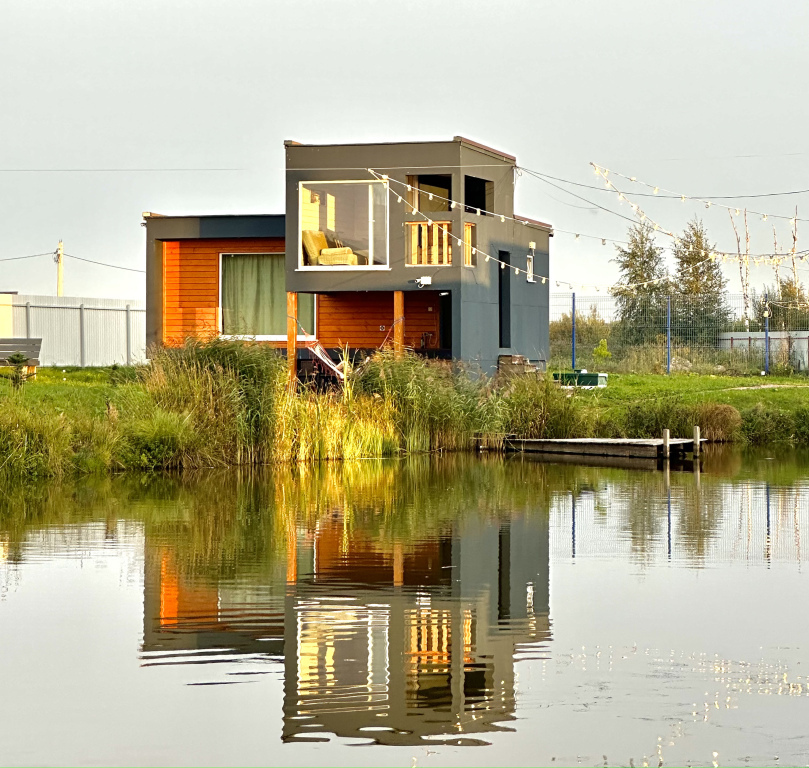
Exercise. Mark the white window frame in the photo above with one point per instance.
(346, 267)
(529, 269)
(259, 337)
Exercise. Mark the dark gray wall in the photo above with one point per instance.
(475, 291)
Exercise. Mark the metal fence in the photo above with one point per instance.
(82, 332)
(678, 334)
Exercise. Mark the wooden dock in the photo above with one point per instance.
(654, 448)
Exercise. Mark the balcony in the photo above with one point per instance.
(429, 243)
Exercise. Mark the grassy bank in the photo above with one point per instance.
(224, 404)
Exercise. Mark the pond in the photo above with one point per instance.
(431, 611)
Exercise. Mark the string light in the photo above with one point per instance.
(544, 279)
(708, 203)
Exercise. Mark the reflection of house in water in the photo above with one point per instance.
(389, 641)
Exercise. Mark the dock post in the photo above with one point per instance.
(696, 440)
(292, 337)
(398, 323)
(666, 438)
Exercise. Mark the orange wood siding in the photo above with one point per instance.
(191, 283)
(355, 319)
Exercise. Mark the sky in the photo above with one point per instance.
(113, 107)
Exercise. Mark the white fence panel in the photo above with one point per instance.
(82, 332)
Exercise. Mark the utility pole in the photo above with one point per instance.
(60, 252)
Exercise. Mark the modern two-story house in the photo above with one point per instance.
(412, 244)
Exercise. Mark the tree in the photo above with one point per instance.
(699, 288)
(640, 293)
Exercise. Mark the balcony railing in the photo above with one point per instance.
(430, 243)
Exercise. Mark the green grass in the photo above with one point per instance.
(221, 404)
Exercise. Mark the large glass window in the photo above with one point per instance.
(343, 224)
(254, 299)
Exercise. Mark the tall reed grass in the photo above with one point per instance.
(221, 403)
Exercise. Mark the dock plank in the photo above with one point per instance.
(594, 446)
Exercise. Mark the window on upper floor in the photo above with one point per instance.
(478, 194)
(343, 224)
(430, 193)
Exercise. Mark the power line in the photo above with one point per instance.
(672, 197)
(103, 264)
(113, 170)
(32, 256)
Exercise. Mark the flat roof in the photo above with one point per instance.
(153, 215)
(455, 140)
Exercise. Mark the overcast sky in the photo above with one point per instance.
(705, 98)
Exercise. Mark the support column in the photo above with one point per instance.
(398, 323)
(292, 336)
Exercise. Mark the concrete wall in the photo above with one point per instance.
(81, 332)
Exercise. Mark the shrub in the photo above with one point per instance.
(162, 440)
(33, 443)
(535, 407)
(766, 424)
(718, 423)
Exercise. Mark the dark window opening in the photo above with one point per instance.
(445, 322)
(478, 193)
(505, 299)
(430, 193)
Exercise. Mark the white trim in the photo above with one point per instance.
(345, 268)
(301, 267)
(529, 269)
(260, 337)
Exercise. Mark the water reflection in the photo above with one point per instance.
(397, 620)
(397, 600)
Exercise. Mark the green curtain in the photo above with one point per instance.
(254, 301)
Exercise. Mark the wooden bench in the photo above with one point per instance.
(29, 347)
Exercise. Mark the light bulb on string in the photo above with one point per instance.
(478, 211)
(475, 250)
(682, 198)
(453, 204)
(502, 265)
(516, 271)
(502, 218)
(764, 217)
(737, 211)
(430, 196)
(656, 190)
(603, 241)
(543, 280)
(708, 204)
(487, 255)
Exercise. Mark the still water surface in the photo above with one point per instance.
(426, 612)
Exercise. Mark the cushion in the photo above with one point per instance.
(314, 241)
(330, 257)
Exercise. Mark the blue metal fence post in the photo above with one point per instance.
(766, 335)
(573, 315)
(668, 335)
